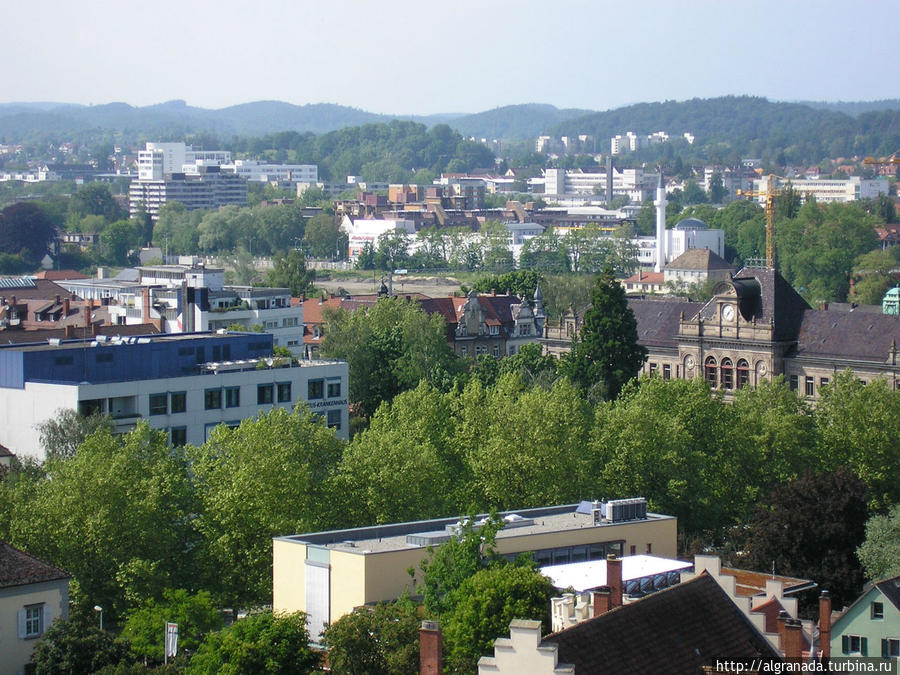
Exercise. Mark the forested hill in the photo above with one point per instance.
(855, 107)
(20, 121)
(732, 126)
(515, 122)
(725, 128)
(177, 119)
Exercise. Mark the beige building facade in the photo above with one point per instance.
(32, 594)
(329, 574)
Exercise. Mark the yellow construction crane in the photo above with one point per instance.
(769, 205)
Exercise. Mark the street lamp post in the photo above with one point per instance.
(98, 608)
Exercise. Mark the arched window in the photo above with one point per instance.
(743, 373)
(709, 371)
(727, 374)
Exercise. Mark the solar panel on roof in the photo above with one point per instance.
(17, 282)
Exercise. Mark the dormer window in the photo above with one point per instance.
(494, 330)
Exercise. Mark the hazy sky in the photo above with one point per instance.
(421, 56)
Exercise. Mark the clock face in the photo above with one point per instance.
(728, 312)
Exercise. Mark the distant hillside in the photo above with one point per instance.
(729, 127)
(176, 118)
(854, 108)
(514, 122)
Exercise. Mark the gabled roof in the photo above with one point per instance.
(645, 278)
(5, 452)
(698, 259)
(675, 631)
(890, 589)
(770, 610)
(57, 275)
(17, 568)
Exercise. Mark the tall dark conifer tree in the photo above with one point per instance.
(606, 353)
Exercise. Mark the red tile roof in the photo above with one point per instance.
(17, 568)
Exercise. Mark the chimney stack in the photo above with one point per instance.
(66, 307)
(431, 649)
(601, 598)
(69, 331)
(793, 640)
(825, 624)
(783, 616)
(145, 308)
(88, 306)
(614, 580)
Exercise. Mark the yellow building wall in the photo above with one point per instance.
(348, 582)
(661, 534)
(387, 575)
(288, 577)
(14, 651)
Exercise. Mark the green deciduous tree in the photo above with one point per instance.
(25, 230)
(404, 466)
(471, 549)
(513, 462)
(259, 643)
(77, 646)
(324, 238)
(116, 515)
(858, 426)
(811, 528)
(521, 283)
(195, 615)
(880, 552)
(664, 440)
(66, 430)
(289, 271)
(95, 199)
(262, 479)
(874, 278)
(606, 354)
(380, 640)
(390, 347)
(117, 239)
(486, 603)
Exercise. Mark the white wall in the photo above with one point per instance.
(21, 410)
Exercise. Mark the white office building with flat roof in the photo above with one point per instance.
(185, 385)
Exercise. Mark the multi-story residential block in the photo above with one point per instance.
(283, 174)
(182, 384)
(32, 594)
(208, 188)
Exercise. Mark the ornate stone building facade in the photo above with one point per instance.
(755, 327)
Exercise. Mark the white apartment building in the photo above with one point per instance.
(633, 183)
(185, 385)
(827, 191)
(255, 171)
(159, 159)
